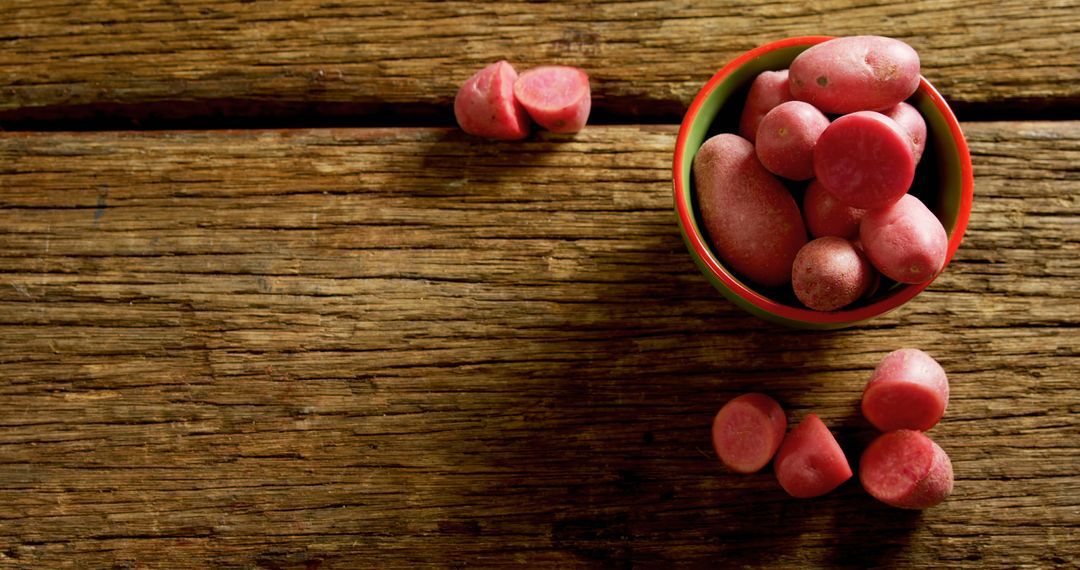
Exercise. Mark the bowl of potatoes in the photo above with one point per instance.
(820, 182)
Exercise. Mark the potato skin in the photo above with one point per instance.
(751, 218)
(830, 273)
(905, 241)
(855, 73)
(485, 105)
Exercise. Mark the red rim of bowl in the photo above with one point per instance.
(700, 244)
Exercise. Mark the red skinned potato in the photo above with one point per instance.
(912, 122)
(751, 218)
(826, 216)
(485, 105)
(747, 431)
(906, 469)
(557, 97)
(865, 160)
(875, 283)
(908, 390)
(769, 89)
(810, 463)
(855, 73)
(829, 273)
(905, 241)
(786, 137)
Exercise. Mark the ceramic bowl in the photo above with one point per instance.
(943, 181)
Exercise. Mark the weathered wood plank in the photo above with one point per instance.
(161, 60)
(310, 348)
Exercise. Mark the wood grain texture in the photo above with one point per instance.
(332, 348)
(216, 59)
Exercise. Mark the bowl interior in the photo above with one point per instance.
(943, 181)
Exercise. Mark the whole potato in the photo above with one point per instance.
(912, 122)
(751, 218)
(905, 241)
(855, 73)
(830, 273)
(769, 89)
(826, 216)
(786, 137)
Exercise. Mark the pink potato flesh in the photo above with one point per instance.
(864, 160)
(769, 89)
(557, 97)
(855, 73)
(485, 105)
(747, 431)
(751, 218)
(905, 241)
(810, 463)
(826, 216)
(829, 273)
(906, 469)
(786, 137)
(908, 390)
(912, 122)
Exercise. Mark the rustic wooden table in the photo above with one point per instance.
(263, 306)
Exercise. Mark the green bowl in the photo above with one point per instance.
(943, 181)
